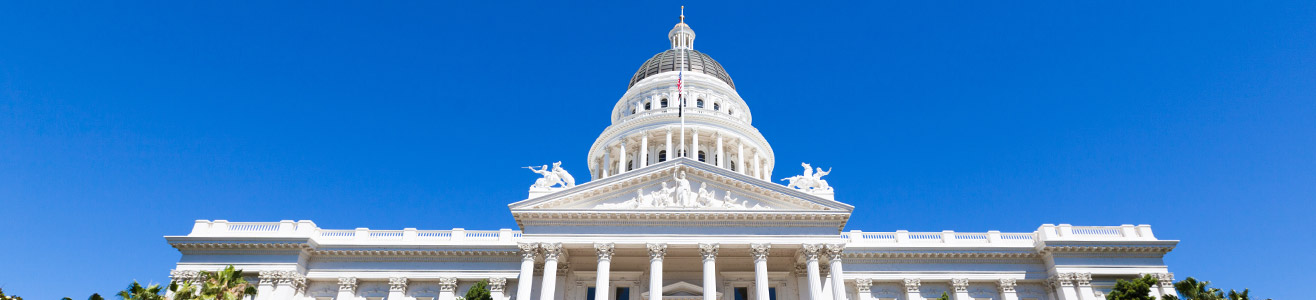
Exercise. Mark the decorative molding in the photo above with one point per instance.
(960, 284)
(347, 284)
(181, 276)
(940, 254)
(810, 251)
(760, 251)
(657, 250)
(1108, 248)
(497, 284)
(1083, 279)
(863, 285)
(1062, 279)
(911, 285)
(528, 250)
(447, 284)
(708, 251)
(1166, 279)
(834, 251)
(604, 250)
(397, 284)
(267, 277)
(551, 250)
(1006, 285)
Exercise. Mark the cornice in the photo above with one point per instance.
(939, 254)
(192, 243)
(415, 252)
(693, 119)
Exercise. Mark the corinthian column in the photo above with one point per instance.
(811, 252)
(656, 254)
(347, 288)
(1167, 284)
(605, 263)
(551, 253)
(527, 278)
(670, 154)
(265, 287)
(864, 287)
(497, 288)
(961, 286)
(760, 252)
(911, 288)
(644, 154)
(709, 252)
(838, 277)
(397, 288)
(1063, 283)
(621, 162)
(1084, 281)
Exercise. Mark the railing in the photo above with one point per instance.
(221, 228)
(1047, 232)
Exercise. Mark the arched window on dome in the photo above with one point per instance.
(699, 103)
(662, 156)
(701, 156)
(663, 104)
(630, 165)
(732, 164)
(717, 106)
(646, 106)
(729, 111)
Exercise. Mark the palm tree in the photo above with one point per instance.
(95, 296)
(1191, 289)
(135, 291)
(226, 284)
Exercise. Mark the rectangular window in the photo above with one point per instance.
(742, 293)
(623, 293)
(772, 293)
(589, 293)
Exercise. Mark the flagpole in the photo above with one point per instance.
(680, 94)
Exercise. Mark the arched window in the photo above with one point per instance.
(717, 106)
(646, 106)
(699, 103)
(630, 165)
(662, 155)
(729, 111)
(701, 156)
(732, 164)
(663, 104)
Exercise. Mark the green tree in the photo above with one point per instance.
(1136, 289)
(944, 296)
(66, 298)
(3, 297)
(95, 296)
(226, 284)
(479, 291)
(1192, 289)
(136, 291)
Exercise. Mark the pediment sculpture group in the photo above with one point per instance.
(680, 194)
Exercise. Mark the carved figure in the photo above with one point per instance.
(567, 180)
(684, 196)
(549, 180)
(811, 181)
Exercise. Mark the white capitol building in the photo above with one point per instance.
(680, 205)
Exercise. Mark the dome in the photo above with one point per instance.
(667, 62)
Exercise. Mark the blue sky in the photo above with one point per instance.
(122, 122)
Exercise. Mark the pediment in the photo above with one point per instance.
(677, 189)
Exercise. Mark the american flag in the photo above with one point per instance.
(680, 111)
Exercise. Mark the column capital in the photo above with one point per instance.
(960, 284)
(864, 285)
(760, 251)
(1083, 279)
(397, 284)
(708, 251)
(447, 284)
(1006, 284)
(1166, 279)
(657, 251)
(497, 284)
(911, 285)
(810, 251)
(528, 250)
(181, 276)
(347, 284)
(267, 277)
(605, 250)
(834, 251)
(1062, 279)
(551, 250)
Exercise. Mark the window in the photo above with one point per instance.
(729, 111)
(717, 106)
(630, 165)
(663, 103)
(623, 293)
(732, 164)
(589, 293)
(772, 293)
(662, 156)
(699, 103)
(646, 106)
(742, 293)
(701, 156)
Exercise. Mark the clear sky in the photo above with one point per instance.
(124, 121)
